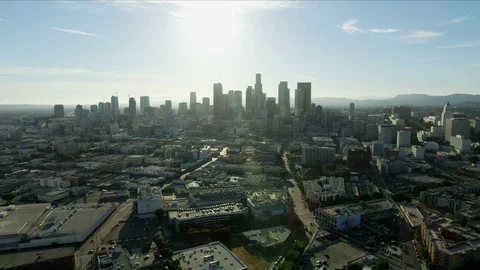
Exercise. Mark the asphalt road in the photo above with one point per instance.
(82, 257)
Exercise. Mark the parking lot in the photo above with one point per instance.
(335, 256)
(134, 233)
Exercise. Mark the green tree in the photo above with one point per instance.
(8, 197)
(288, 265)
(365, 197)
(377, 195)
(159, 213)
(381, 265)
(293, 255)
(473, 159)
(354, 266)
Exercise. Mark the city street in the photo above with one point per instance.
(82, 255)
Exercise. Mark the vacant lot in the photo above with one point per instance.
(252, 258)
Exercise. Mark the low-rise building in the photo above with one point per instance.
(207, 216)
(217, 194)
(324, 189)
(149, 200)
(268, 238)
(209, 256)
(386, 166)
(51, 195)
(412, 215)
(39, 225)
(267, 203)
(53, 258)
(344, 217)
(418, 152)
(450, 246)
(461, 144)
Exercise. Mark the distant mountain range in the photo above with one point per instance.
(458, 100)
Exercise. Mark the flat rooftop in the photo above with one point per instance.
(41, 220)
(268, 236)
(227, 208)
(210, 256)
(12, 260)
(21, 219)
(339, 254)
(361, 208)
(413, 215)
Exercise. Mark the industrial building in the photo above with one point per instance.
(264, 203)
(149, 200)
(53, 258)
(40, 225)
(209, 256)
(344, 217)
(324, 189)
(219, 194)
(208, 216)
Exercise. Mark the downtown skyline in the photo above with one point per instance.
(76, 52)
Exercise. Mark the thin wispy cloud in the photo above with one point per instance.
(470, 44)
(458, 20)
(474, 65)
(21, 70)
(3, 20)
(350, 27)
(77, 32)
(307, 77)
(420, 36)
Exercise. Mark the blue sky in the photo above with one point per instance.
(84, 52)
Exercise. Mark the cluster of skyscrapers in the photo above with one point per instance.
(256, 100)
(225, 104)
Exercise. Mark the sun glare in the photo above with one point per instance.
(211, 28)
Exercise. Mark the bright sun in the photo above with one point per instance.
(211, 28)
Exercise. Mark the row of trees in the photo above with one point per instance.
(164, 255)
(293, 256)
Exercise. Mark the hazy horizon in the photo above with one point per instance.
(85, 52)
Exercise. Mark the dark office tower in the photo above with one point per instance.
(182, 108)
(231, 98)
(78, 112)
(149, 111)
(218, 107)
(144, 102)
(271, 107)
(307, 93)
(132, 109)
(351, 111)
(94, 108)
(58, 111)
(101, 108)
(168, 106)
(238, 98)
(193, 102)
(226, 106)
(249, 100)
(258, 96)
(284, 99)
(115, 108)
(125, 111)
(206, 102)
(108, 108)
(299, 101)
(206, 105)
